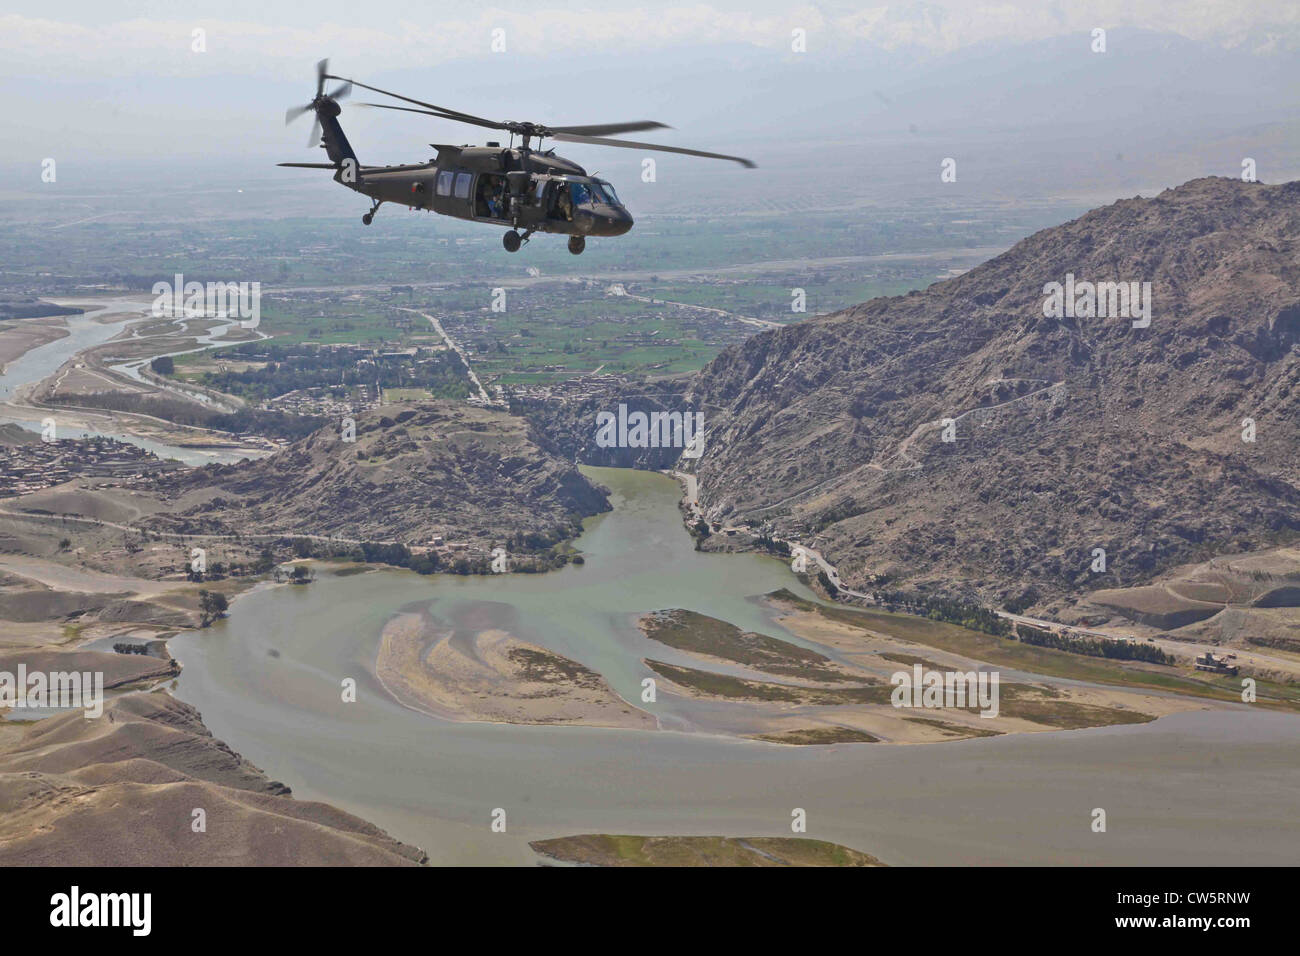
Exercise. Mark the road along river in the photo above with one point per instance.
(1200, 788)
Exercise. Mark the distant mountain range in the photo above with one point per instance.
(1161, 444)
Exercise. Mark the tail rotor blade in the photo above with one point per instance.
(321, 69)
(294, 112)
(314, 139)
(341, 92)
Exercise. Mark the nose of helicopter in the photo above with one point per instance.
(612, 221)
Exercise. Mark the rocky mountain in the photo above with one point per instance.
(987, 435)
(411, 472)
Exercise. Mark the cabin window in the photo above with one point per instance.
(444, 183)
(462, 185)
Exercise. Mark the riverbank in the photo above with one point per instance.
(40, 358)
(20, 336)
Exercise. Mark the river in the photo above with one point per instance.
(85, 333)
(1200, 788)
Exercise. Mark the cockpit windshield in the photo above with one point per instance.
(588, 193)
(604, 192)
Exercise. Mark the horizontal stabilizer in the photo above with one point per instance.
(310, 165)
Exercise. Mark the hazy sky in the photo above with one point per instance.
(102, 85)
(257, 37)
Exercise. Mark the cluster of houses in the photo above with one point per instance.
(439, 545)
(30, 466)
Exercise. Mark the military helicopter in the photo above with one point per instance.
(523, 187)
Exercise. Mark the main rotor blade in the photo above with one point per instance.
(605, 129)
(487, 124)
(293, 112)
(442, 110)
(628, 144)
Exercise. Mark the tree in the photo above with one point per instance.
(265, 561)
(212, 605)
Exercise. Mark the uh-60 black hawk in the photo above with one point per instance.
(523, 187)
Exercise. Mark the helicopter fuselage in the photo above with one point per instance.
(531, 190)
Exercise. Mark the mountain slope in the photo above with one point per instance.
(1071, 433)
(413, 471)
(122, 790)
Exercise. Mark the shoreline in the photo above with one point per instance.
(39, 330)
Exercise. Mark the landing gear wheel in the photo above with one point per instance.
(577, 244)
(511, 241)
(368, 218)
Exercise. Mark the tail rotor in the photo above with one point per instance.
(318, 102)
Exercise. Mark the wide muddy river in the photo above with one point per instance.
(1200, 788)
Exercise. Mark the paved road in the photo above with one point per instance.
(758, 323)
(482, 392)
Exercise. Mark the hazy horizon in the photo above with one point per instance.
(1014, 92)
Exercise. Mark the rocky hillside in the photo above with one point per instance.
(121, 790)
(1070, 432)
(571, 425)
(412, 472)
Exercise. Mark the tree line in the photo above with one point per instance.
(1093, 646)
